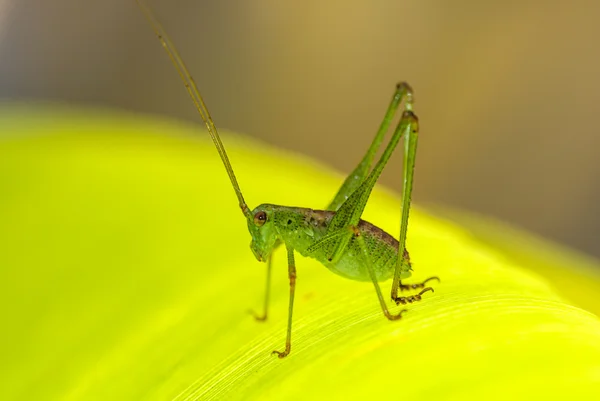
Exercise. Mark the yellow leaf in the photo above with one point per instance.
(125, 274)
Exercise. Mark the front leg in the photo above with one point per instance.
(263, 317)
(292, 276)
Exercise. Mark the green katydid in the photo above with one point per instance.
(337, 236)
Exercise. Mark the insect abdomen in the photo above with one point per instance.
(383, 253)
(300, 228)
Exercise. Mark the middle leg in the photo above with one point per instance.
(367, 258)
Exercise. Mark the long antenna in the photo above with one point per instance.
(190, 86)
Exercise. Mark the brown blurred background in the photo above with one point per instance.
(507, 92)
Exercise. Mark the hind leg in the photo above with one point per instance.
(416, 286)
(356, 177)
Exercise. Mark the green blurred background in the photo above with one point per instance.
(506, 91)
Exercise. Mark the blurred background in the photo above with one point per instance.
(507, 92)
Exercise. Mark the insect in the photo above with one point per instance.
(337, 236)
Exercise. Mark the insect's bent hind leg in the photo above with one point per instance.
(410, 128)
(358, 175)
(367, 258)
(263, 317)
(292, 276)
(350, 212)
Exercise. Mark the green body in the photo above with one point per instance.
(337, 237)
(300, 228)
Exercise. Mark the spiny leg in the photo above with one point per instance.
(263, 317)
(357, 176)
(415, 286)
(411, 130)
(367, 259)
(412, 298)
(348, 215)
(292, 276)
(350, 212)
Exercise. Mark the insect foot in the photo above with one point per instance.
(257, 317)
(412, 298)
(283, 354)
(398, 316)
(406, 287)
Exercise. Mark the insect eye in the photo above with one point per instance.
(260, 218)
